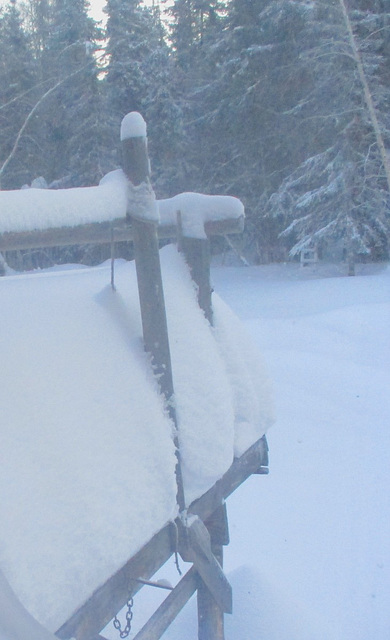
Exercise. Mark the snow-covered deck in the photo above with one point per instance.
(87, 459)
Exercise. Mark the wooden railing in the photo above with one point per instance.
(201, 530)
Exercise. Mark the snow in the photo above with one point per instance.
(196, 209)
(17, 620)
(309, 554)
(38, 208)
(87, 459)
(142, 203)
(133, 126)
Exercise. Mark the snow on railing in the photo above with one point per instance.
(40, 211)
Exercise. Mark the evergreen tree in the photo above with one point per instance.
(193, 24)
(132, 39)
(73, 113)
(17, 80)
(140, 77)
(341, 193)
(250, 81)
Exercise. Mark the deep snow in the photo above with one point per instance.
(87, 464)
(309, 557)
(309, 552)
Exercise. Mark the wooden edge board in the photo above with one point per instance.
(109, 598)
(100, 233)
(164, 615)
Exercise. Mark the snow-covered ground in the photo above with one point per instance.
(309, 557)
(87, 463)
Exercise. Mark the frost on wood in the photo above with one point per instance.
(142, 203)
(133, 126)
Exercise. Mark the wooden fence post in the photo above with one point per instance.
(197, 254)
(210, 614)
(135, 162)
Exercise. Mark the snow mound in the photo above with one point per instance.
(87, 459)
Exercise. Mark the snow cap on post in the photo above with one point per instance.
(133, 126)
(141, 201)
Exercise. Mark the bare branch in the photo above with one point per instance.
(34, 110)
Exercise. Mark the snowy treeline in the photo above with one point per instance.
(262, 99)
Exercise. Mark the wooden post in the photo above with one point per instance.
(197, 255)
(210, 614)
(147, 259)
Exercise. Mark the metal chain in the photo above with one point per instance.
(129, 616)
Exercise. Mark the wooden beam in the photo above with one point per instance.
(218, 527)
(255, 458)
(197, 255)
(170, 608)
(108, 599)
(210, 614)
(195, 546)
(99, 233)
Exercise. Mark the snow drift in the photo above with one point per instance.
(87, 459)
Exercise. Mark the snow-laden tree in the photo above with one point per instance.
(333, 197)
(140, 76)
(342, 191)
(73, 112)
(192, 25)
(163, 110)
(17, 80)
(241, 134)
(132, 37)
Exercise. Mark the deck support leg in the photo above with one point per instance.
(210, 614)
(197, 255)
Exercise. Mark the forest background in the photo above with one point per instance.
(283, 103)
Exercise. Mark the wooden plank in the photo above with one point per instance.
(99, 233)
(195, 546)
(218, 528)
(210, 616)
(255, 458)
(108, 599)
(170, 608)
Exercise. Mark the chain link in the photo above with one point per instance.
(129, 616)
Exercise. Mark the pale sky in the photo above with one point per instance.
(96, 8)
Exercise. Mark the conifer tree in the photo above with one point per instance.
(132, 39)
(73, 113)
(251, 79)
(140, 77)
(17, 79)
(342, 193)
